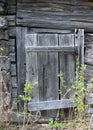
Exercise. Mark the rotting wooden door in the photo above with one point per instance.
(47, 55)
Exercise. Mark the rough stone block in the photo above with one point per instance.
(3, 22)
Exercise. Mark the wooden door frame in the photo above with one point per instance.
(20, 50)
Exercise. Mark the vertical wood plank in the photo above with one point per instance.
(79, 43)
(63, 71)
(31, 66)
(20, 42)
(82, 45)
(48, 70)
(71, 70)
(67, 62)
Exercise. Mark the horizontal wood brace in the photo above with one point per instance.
(48, 105)
(51, 48)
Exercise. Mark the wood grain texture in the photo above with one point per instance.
(55, 20)
(31, 66)
(49, 30)
(51, 48)
(20, 42)
(67, 63)
(79, 42)
(59, 5)
(55, 14)
(48, 105)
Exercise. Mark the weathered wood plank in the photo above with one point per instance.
(54, 1)
(48, 105)
(79, 42)
(62, 70)
(66, 40)
(55, 15)
(41, 30)
(58, 6)
(54, 19)
(55, 24)
(20, 42)
(50, 48)
(67, 63)
(70, 74)
(31, 66)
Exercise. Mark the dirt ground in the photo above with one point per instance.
(41, 127)
(35, 127)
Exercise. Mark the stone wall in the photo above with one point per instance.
(5, 82)
(11, 18)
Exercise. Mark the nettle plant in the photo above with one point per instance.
(26, 97)
(28, 89)
(79, 92)
(77, 96)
